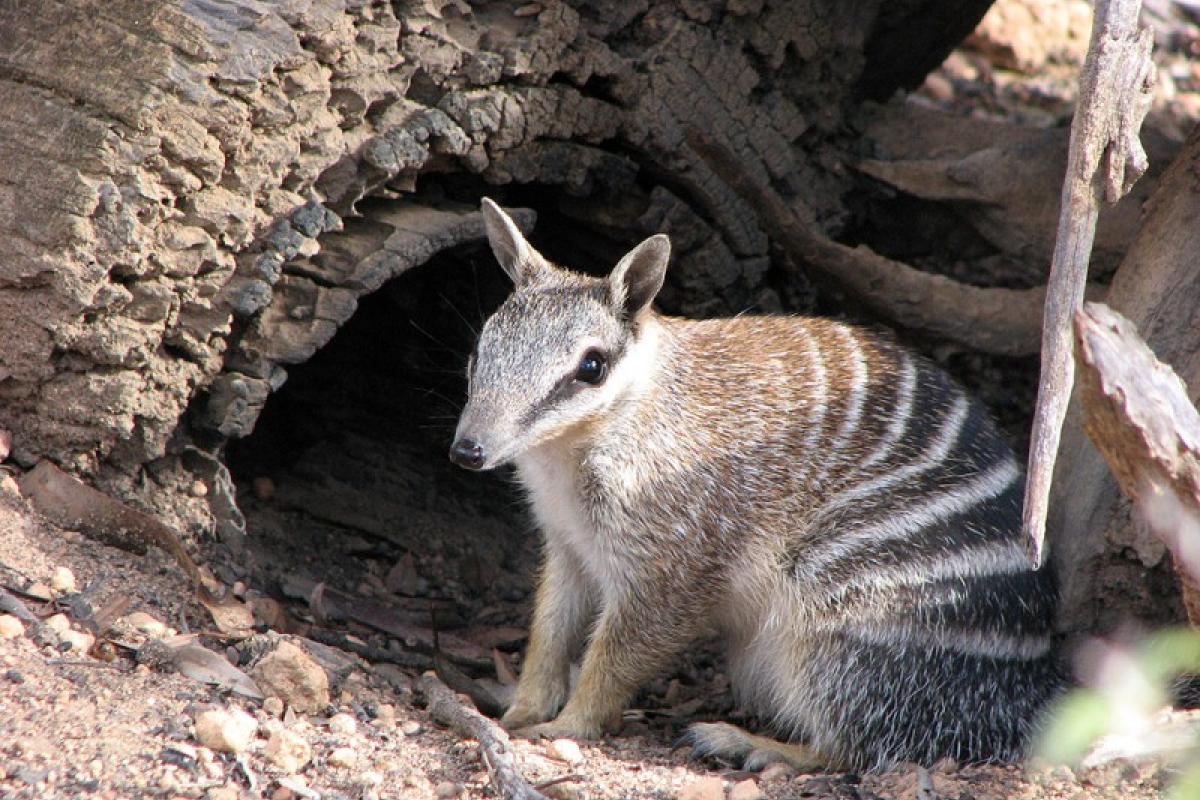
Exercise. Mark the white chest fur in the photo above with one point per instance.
(550, 476)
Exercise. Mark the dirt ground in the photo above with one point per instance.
(72, 725)
(100, 724)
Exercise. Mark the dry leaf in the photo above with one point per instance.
(201, 664)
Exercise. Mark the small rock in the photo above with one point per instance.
(561, 791)
(269, 612)
(9, 485)
(343, 757)
(711, 788)
(779, 771)
(746, 790)
(144, 623)
(198, 489)
(528, 10)
(385, 715)
(273, 706)
(342, 724)
(5, 444)
(224, 793)
(447, 790)
(288, 750)
(565, 750)
(369, 778)
(411, 728)
(291, 675)
(39, 591)
(58, 623)
(10, 627)
(225, 730)
(79, 642)
(62, 581)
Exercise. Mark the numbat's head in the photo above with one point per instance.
(560, 351)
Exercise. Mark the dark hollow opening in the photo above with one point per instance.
(346, 471)
(345, 478)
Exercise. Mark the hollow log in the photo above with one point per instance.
(192, 197)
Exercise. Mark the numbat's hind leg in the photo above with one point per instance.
(753, 752)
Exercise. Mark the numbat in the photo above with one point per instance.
(835, 507)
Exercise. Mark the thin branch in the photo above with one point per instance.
(1104, 160)
(494, 744)
(994, 320)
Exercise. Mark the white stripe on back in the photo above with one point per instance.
(900, 414)
(856, 394)
(908, 521)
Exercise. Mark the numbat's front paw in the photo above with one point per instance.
(523, 716)
(561, 728)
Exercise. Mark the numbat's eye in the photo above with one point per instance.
(593, 368)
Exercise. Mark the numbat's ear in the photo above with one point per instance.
(637, 278)
(516, 255)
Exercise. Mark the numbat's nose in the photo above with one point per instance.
(467, 454)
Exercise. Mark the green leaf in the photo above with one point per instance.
(1073, 725)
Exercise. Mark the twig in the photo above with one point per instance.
(570, 777)
(1137, 412)
(75, 662)
(1104, 160)
(994, 320)
(11, 604)
(369, 652)
(494, 744)
(71, 503)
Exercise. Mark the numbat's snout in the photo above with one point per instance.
(841, 509)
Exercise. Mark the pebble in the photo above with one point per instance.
(288, 750)
(224, 793)
(447, 790)
(79, 641)
(291, 675)
(561, 791)
(58, 623)
(9, 485)
(746, 790)
(10, 627)
(343, 757)
(5, 444)
(565, 750)
(144, 623)
(711, 788)
(342, 724)
(62, 581)
(39, 591)
(411, 728)
(779, 771)
(225, 730)
(273, 706)
(385, 716)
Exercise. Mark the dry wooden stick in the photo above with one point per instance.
(1137, 412)
(494, 744)
(1105, 158)
(994, 320)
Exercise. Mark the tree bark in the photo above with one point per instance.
(1102, 554)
